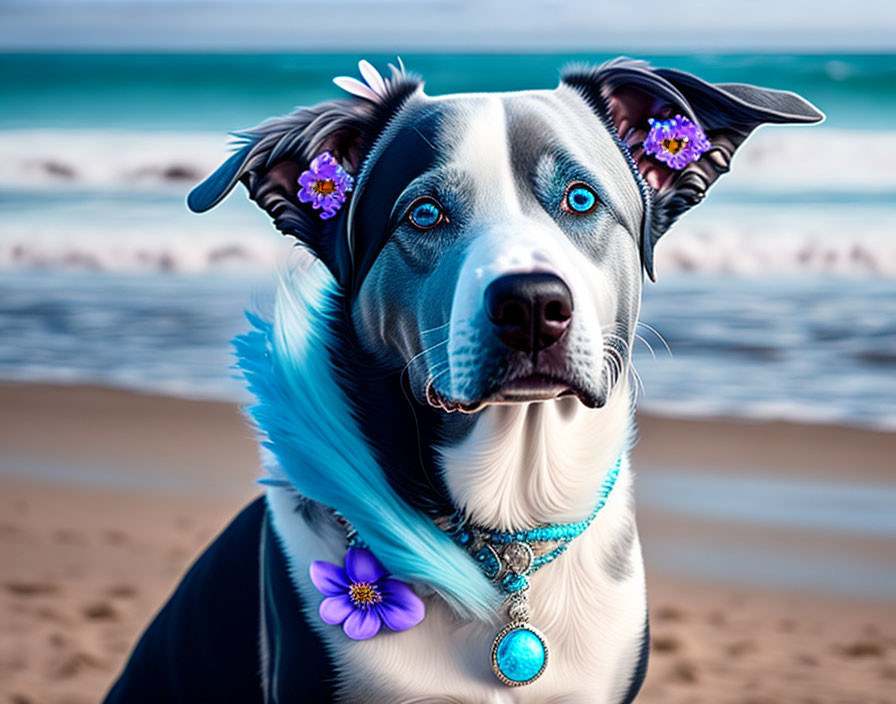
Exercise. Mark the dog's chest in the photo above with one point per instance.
(590, 604)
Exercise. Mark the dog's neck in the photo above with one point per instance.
(523, 465)
(509, 466)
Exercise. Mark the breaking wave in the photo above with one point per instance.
(746, 252)
(797, 201)
(107, 159)
(738, 253)
(141, 253)
(775, 158)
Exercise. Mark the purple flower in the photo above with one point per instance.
(676, 141)
(362, 597)
(324, 185)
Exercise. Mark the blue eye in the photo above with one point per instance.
(580, 199)
(425, 215)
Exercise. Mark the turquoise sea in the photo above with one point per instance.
(777, 297)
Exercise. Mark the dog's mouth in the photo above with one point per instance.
(525, 389)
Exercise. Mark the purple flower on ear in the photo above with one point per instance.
(362, 596)
(324, 185)
(676, 141)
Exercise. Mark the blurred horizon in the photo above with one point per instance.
(439, 26)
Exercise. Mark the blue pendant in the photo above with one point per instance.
(519, 654)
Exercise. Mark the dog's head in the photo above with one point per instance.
(493, 245)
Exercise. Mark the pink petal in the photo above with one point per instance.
(362, 624)
(362, 566)
(329, 579)
(335, 609)
(372, 77)
(355, 87)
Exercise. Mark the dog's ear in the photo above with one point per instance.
(270, 157)
(626, 93)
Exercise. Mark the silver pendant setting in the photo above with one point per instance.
(520, 651)
(519, 654)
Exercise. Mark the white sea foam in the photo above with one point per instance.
(738, 254)
(235, 239)
(751, 250)
(774, 158)
(107, 159)
(814, 158)
(798, 200)
(142, 250)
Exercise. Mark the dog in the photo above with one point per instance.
(443, 392)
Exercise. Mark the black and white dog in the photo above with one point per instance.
(452, 367)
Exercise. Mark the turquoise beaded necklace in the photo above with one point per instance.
(520, 651)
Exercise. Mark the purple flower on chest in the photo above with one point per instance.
(325, 184)
(362, 596)
(676, 141)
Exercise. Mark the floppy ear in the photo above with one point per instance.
(627, 93)
(270, 158)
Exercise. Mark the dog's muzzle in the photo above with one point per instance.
(529, 312)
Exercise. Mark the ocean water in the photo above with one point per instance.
(777, 297)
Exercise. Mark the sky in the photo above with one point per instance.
(655, 26)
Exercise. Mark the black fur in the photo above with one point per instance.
(640, 672)
(400, 431)
(203, 646)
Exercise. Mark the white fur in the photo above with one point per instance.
(483, 154)
(532, 463)
(593, 622)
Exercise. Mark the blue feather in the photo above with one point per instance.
(307, 422)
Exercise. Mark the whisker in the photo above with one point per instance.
(433, 329)
(423, 352)
(458, 321)
(639, 382)
(621, 343)
(659, 336)
(435, 376)
(615, 364)
(647, 344)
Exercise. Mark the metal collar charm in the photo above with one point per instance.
(520, 651)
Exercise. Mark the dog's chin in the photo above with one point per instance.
(526, 389)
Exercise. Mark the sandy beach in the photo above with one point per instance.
(107, 496)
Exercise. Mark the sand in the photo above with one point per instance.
(84, 568)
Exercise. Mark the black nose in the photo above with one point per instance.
(529, 311)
